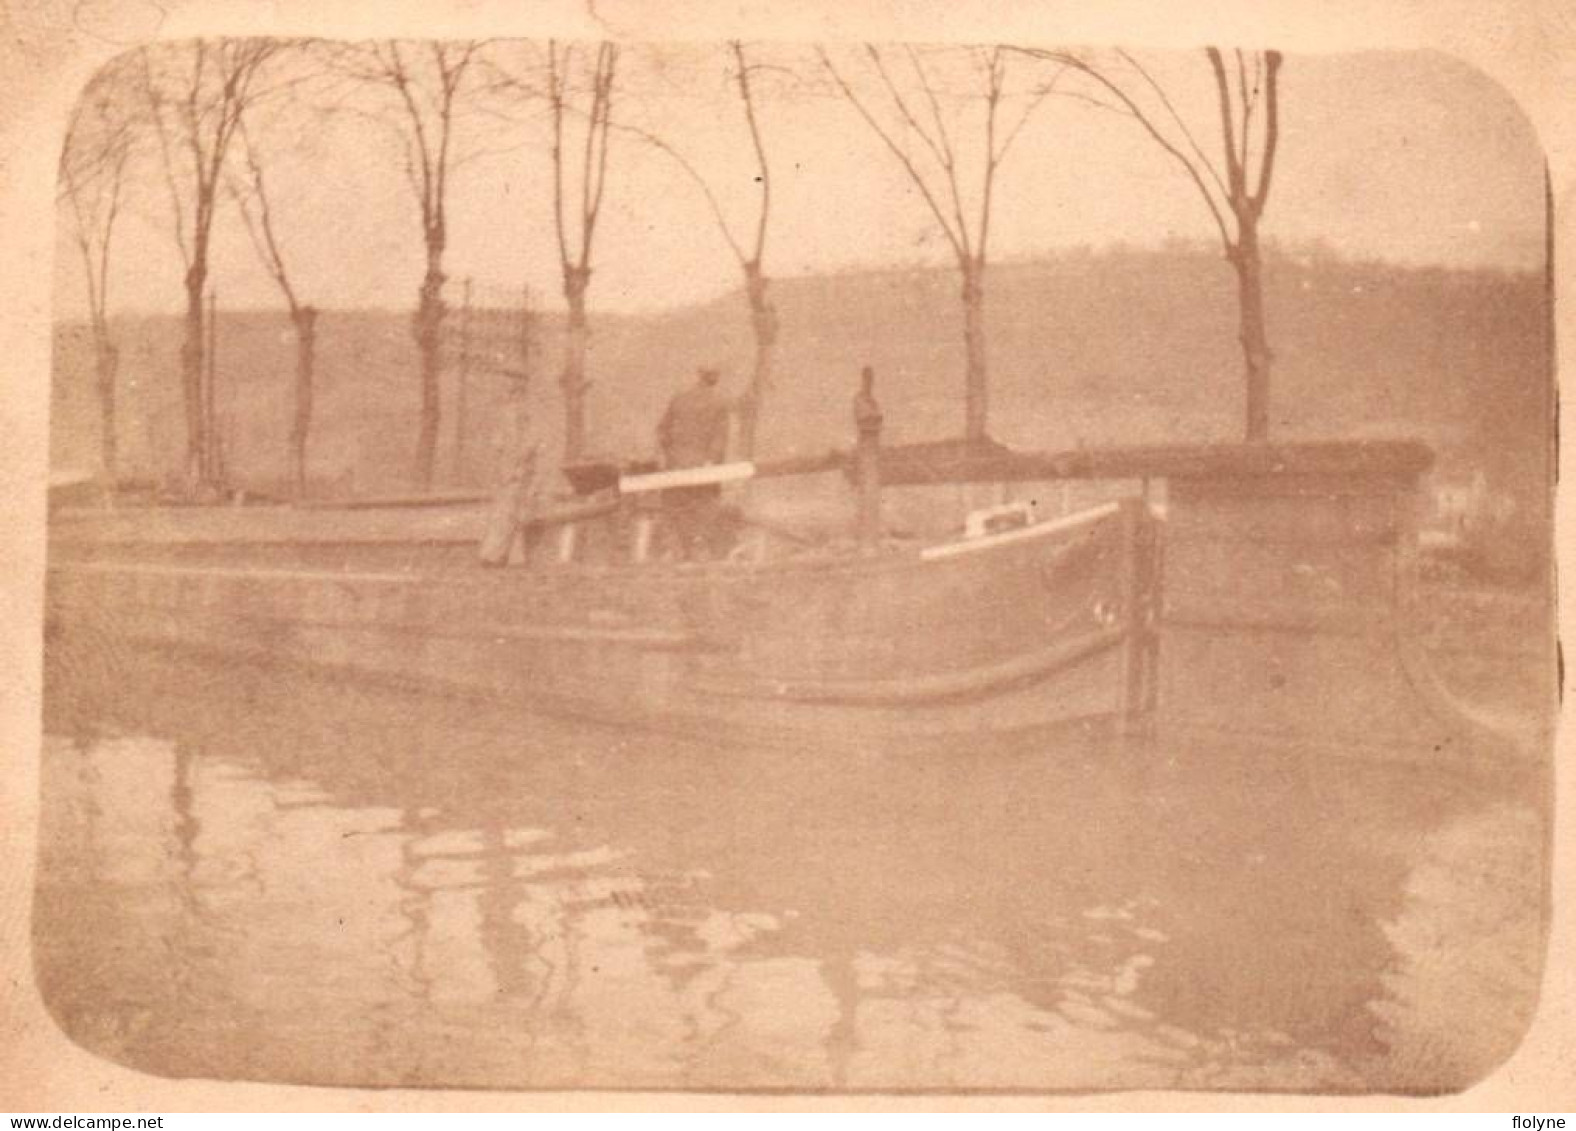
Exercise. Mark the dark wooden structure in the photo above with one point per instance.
(1258, 590)
(1008, 634)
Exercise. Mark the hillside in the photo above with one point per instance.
(1084, 349)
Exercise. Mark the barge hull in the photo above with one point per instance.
(1005, 639)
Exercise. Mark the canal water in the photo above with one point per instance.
(252, 874)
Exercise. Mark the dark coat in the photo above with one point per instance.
(694, 430)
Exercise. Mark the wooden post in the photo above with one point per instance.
(867, 462)
(1141, 600)
(645, 527)
(1152, 607)
(1133, 685)
(568, 542)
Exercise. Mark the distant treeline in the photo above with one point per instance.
(1093, 347)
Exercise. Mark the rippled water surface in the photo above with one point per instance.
(250, 874)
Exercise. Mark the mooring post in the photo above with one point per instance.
(568, 542)
(1139, 584)
(645, 528)
(867, 462)
(1152, 574)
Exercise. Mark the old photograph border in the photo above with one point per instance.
(51, 49)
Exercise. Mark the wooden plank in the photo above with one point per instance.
(962, 461)
(236, 573)
(1021, 534)
(686, 477)
(1310, 486)
(919, 690)
(1224, 462)
(377, 502)
(253, 526)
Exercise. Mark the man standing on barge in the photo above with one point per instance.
(694, 433)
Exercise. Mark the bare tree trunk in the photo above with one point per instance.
(429, 340)
(573, 380)
(462, 387)
(214, 473)
(763, 321)
(305, 319)
(107, 361)
(1228, 190)
(976, 381)
(192, 349)
(1245, 260)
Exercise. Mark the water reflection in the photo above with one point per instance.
(251, 874)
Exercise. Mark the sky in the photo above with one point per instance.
(1409, 157)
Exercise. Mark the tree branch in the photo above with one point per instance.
(1234, 171)
(167, 161)
(1180, 122)
(607, 61)
(950, 164)
(705, 186)
(1137, 114)
(747, 97)
(995, 79)
(555, 86)
(1012, 134)
(264, 239)
(1272, 64)
(1246, 99)
(897, 151)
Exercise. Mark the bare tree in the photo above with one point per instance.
(914, 129)
(577, 235)
(196, 93)
(763, 315)
(428, 85)
(1236, 196)
(100, 139)
(750, 251)
(257, 212)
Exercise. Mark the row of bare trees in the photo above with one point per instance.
(195, 101)
(425, 87)
(185, 115)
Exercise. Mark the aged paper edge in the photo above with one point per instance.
(49, 49)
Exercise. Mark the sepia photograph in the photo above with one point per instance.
(756, 565)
